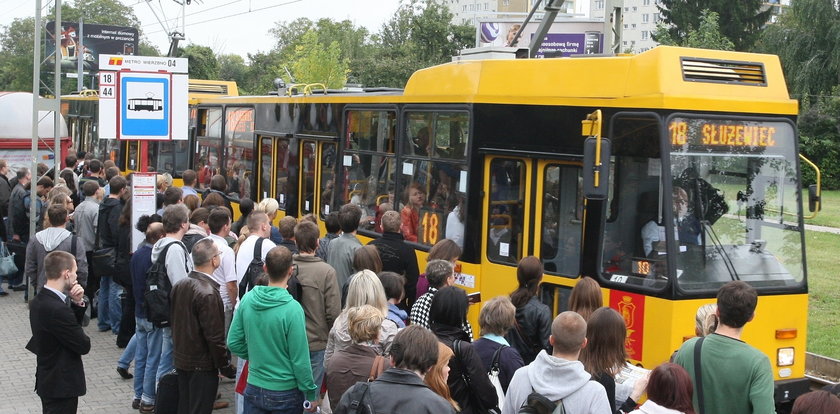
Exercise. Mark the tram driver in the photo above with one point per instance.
(686, 224)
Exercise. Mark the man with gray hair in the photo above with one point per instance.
(440, 273)
(198, 319)
(397, 256)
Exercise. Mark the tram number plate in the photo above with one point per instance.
(618, 278)
(431, 227)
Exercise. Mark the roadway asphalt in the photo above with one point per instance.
(106, 391)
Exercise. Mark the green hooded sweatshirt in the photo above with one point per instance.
(269, 330)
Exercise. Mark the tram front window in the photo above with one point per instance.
(741, 189)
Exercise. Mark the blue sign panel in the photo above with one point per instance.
(144, 105)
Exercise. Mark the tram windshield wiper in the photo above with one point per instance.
(727, 261)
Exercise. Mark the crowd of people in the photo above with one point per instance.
(305, 321)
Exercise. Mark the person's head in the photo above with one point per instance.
(90, 187)
(44, 185)
(191, 201)
(111, 172)
(259, 224)
(816, 402)
(364, 323)
(4, 167)
(736, 302)
(154, 232)
(440, 273)
(172, 196)
(218, 183)
(219, 221)
(367, 257)
(189, 177)
(213, 200)
(529, 275)
(310, 217)
(62, 198)
(497, 316)
(605, 333)
(586, 297)
(415, 195)
(160, 183)
(287, 227)
(415, 348)
(117, 185)
(680, 202)
(394, 285)
(438, 375)
(366, 289)
(331, 222)
(568, 334)
(269, 206)
(246, 206)
(205, 255)
(278, 264)
(306, 236)
(199, 217)
(449, 307)
(67, 176)
(446, 249)
(70, 161)
(348, 217)
(706, 319)
(108, 164)
(145, 220)
(669, 385)
(391, 222)
(95, 167)
(176, 219)
(57, 215)
(60, 267)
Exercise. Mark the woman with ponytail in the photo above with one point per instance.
(533, 318)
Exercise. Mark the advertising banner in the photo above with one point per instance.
(143, 203)
(565, 37)
(98, 39)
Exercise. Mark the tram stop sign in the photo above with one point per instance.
(143, 97)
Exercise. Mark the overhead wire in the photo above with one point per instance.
(234, 15)
(195, 13)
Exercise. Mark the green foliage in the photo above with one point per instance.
(741, 20)
(820, 139)
(315, 62)
(202, 61)
(233, 68)
(706, 36)
(823, 301)
(806, 39)
(262, 70)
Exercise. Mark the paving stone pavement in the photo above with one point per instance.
(106, 391)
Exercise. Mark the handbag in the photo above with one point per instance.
(456, 345)
(495, 368)
(7, 261)
(104, 259)
(377, 368)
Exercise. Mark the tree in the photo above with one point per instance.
(741, 20)
(805, 38)
(263, 68)
(232, 67)
(315, 62)
(202, 61)
(820, 138)
(707, 35)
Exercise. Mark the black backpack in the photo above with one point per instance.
(537, 403)
(158, 288)
(359, 398)
(254, 271)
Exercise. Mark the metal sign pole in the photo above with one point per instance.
(80, 81)
(57, 109)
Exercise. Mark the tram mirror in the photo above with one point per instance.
(596, 188)
(814, 200)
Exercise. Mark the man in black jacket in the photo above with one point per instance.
(5, 195)
(108, 230)
(397, 256)
(57, 336)
(198, 332)
(18, 229)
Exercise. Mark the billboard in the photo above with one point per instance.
(566, 37)
(98, 39)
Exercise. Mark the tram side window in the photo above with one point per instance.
(265, 166)
(208, 145)
(433, 177)
(507, 188)
(308, 171)
(169, 156)
(561, 220)
(239, 133)
(328, 158)
(284, 164)
(368, 164)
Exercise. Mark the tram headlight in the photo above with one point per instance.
(784, 357)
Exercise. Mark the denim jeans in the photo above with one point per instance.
(110, 309)
(316, 360)
(262, 401)
(238, 398)
(128, 354)
(165, 364)
(147, 356)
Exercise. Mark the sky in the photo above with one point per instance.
(231, 26)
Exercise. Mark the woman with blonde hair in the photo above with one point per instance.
(359, 360)
(364, 289)
(269, 206)
(706, 319)
(586, 297)
(438, 374)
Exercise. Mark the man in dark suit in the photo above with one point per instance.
(58, 340)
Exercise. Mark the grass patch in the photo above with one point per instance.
(829, 214)
(823, 287)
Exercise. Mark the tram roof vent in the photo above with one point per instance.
(215, 89)
(723, 71)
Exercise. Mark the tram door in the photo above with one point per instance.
(308, 165)
(317, 175)
(275, 162)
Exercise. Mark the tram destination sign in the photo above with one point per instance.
(143, 98)
(726, 134)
